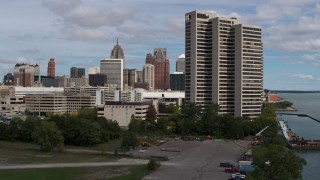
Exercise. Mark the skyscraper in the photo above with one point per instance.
(113, 68)
(148, 75)
(177, 81)
(117, 52)
(129, 77)
(224, 63)
(23, 75)
(180, 64)
(161, 68)
(77, 72)
(51, 72)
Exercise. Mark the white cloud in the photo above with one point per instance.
(304, 76)
(308, 57)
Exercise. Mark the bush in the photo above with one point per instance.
(152, 165)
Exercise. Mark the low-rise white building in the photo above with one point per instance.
(123, 111)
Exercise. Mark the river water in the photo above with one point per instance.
(306, 103)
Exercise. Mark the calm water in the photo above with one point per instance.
(306, 103)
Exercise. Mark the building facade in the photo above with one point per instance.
(129, 77)
(77, 72)
(8, 79)
(113, 68)
(161, 68)
(24, 75)
(98, 79)
(94, 70)
(180, 64)
(123, 111)
(148, 75)
(117, 52)
(177, 81)
(51, 71)
(224, 63)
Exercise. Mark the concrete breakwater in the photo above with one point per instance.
(298, 114)
(295, 141)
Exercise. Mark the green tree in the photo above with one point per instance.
(129, 140)
(47, 135)
(209, 123)
(276, 162)
(88, 113)
(191, 114)
(134, 125)
(152, 113)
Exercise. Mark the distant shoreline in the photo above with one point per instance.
(293, 91)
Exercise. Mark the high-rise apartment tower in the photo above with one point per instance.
(224, 63)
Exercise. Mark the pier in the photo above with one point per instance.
(298, 114)
(294, 141)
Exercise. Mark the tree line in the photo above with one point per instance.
(191, 119)
(84, 128)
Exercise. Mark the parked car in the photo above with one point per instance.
(238, 176)
(226, 164)
(232, 170)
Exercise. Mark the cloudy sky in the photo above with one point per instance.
(81, 32)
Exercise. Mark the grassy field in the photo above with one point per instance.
(28, 153)
(113, 173)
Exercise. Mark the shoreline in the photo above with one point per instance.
(294, 141)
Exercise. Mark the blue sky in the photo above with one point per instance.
(81, 32)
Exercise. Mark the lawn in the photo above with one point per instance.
(28, 153)
(114, 173)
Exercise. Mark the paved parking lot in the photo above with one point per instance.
(197, 159)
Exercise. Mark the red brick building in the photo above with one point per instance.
(51, 72)
(161, 68)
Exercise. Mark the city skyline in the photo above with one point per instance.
(80, 33)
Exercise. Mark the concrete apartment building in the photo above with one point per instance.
(224, 63)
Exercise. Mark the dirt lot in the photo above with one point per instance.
(196, 160)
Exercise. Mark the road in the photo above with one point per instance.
(120, 162)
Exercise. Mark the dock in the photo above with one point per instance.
(296, 142)
(298, 114)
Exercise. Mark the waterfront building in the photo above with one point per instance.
(77, 72)
(113, 68)
(224, 63)
(51, 71)
(161, 68)
(177, 81)
(180, 64)
(149, 76)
